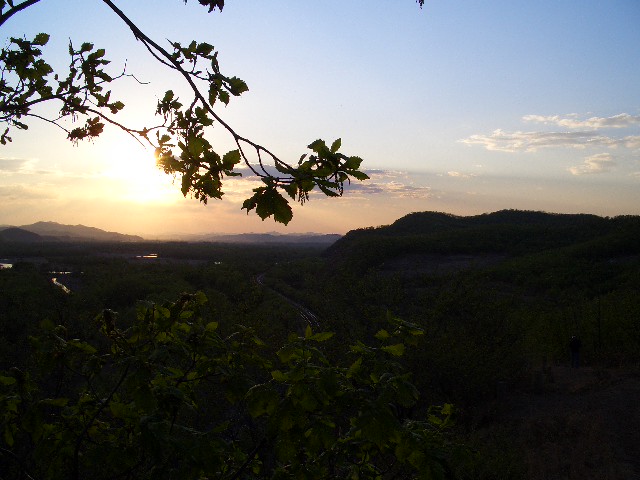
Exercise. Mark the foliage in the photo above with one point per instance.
(170, 397)
(27, 81)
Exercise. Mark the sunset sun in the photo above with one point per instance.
(138, 177)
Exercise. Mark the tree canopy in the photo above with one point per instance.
(83, 95)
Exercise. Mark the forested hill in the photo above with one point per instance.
(506, 232)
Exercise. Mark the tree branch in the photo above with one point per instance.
(12, 11)
(149, 43)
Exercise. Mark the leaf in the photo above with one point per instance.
(291, 189)
(41, 39)
(382, 335)
(224, 97)
(317, 145)
(168, 96)
(212, 4)
(447, 409)
(354, 368)
(335, 146)
(200, 298)
(213, 94)
(231, 158)
(211, 326)
(327, 192)
(396, 350)
(7, 380)
(237, 86)
(322, 336)
(278, 376)
(262, 399)
(308, 332)
(267, 201)
(359, 175)
(353, 163)
(85, 347)
(204, 49)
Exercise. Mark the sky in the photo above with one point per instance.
(461, 107)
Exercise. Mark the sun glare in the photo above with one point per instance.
(137, 176)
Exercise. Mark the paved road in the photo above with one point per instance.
(306, 315)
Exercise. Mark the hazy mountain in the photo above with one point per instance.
(264, 238)
(77, 233)
(14, 234)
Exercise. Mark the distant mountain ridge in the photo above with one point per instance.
(53, 231)
(56, 232)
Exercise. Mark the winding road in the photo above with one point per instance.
(306, 315)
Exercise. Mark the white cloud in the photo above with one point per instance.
(460, 175)
(580, 134)
(408, 191)
(382, 175)
(599, 163)
(632, 142)
(366, 188)
(391, 189)
(503, 141)
(623, 120)
(389, 183)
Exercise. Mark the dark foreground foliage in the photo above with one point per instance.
(170, 397)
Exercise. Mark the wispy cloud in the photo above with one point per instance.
(460, 175)
(623, 120)
(599, 163)
(503, 141)
(13, 193)
(391, 183)
(391, 189)
(14, 165)
(578, 133)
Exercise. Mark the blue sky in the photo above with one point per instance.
(463, 107)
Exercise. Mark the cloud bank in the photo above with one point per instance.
(622, 120)
(599, 163)
(581, 134)
(503, 141)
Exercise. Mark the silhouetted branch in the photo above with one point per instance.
(12, 11)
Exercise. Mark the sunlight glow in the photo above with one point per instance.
(138, 177)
